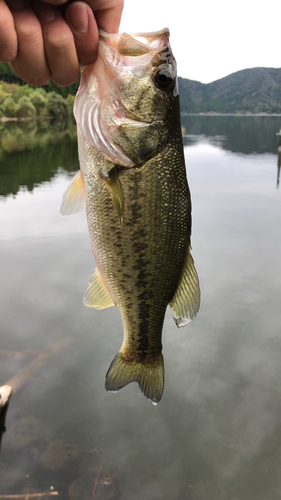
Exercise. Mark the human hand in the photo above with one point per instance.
(50, 39)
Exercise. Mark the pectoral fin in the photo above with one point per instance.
(96, 294)
(186, 301)
(114, 187)
(73, 199)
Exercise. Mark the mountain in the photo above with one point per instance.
(256, 90)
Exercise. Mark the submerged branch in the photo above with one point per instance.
(23, 375)
(96, 481)
(26, 496)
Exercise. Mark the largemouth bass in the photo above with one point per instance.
(133, 183)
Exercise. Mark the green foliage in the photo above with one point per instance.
(3, 94)
(27, 102)
(24, 91)
(40, 101)
(26, 109)
(70, 101)
(57, 105)
(10, 107)
(7, 90)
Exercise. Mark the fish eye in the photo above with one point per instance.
(163, 79)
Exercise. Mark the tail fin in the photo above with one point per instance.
(150, 377)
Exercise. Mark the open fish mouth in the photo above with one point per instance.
(99, 107)
(136, 44)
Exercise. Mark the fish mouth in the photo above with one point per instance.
(99, 109)
(136, 44)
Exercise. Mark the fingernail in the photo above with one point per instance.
(79, 17)
(46, 12)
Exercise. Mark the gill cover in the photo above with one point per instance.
(123, 99)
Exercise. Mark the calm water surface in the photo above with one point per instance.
(216, 435)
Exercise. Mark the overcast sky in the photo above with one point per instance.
(211, 39)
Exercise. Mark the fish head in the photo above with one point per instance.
(125, 97)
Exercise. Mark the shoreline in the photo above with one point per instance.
(213, 113)
(5, 119)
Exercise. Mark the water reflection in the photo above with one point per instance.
(32, 151)
(216, 433)
(239, 134)
(34, 463)
(279, 159)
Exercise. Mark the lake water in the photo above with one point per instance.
(216, 434)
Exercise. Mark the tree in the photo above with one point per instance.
(20, 92)
(10, 107)
(3, 94)
(57, 105)
(25, 108)
(70, 102)
(40, 101)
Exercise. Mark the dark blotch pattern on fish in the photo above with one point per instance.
(143, 261)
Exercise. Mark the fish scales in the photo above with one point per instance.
(139, 219)
(142, 272)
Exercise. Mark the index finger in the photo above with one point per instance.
(55, 2)
(107, 13)
(8, 36)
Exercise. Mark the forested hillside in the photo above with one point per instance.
(256, 90)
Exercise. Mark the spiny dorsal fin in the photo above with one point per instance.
(186, 301)
(96, 294)
(73, 199)
(150, 376)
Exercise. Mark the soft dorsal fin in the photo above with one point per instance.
(96, 294)
(186, 301)
(73, 199)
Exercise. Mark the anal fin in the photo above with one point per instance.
(186, 301)
(73, 199)
(96, 294)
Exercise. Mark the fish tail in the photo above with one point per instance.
(150, 376)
